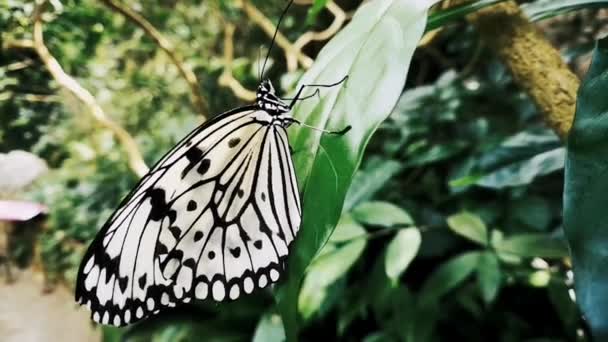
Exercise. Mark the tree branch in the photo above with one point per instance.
(227, 79)
(534, 63)
(167, 47)
(339, 20)
(136, 162)
(292, 54)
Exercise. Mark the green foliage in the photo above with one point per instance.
(383, 32)
(439, 222)
(585, 192)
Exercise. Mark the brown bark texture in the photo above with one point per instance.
(534, 63)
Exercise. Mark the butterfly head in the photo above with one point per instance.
(267, 100)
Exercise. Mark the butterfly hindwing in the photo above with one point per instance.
(213, 218)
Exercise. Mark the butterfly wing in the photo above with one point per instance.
(213, 218)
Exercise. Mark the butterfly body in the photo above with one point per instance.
(212, 219)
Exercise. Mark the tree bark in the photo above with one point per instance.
(535, 64)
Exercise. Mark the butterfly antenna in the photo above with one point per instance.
(274, 37)
(259, 66)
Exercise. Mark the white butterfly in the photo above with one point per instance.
(213, 218)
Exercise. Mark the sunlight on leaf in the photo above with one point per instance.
(374, 50)
(385, 214)
(469, 226)
(401, 251)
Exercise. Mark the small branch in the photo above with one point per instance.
(136, 162)
(269, 28)
(18, 44)
(167, 47)
(227, 79)
(339, 19)
(29, 97)
(18, 65)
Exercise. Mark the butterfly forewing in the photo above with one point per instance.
(213, 218)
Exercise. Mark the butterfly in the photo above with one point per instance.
(214, 218)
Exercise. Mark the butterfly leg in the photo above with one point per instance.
(289, 120)
(316, 93)
(297, 97)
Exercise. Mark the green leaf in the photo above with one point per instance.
(335, 259)
(448, 276)
(489, 276)
(435, 153)
(382, 214)
(524, 172)
(401, 251)
(535, 10)
(533, 245)
(586, 194)
(470, 226)
(375, 50)
(440, 18)
(543, 9)
(112, 334)
(314, 11)
(367, 182)
(270, 328)
(534, 212)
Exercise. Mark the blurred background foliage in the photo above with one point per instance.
(450, 231)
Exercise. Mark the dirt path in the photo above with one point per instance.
(27, 315)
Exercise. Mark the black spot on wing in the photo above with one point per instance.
(194, 156)
(175, 231)
(233, 142)
(211, 255)
(158, 203)
(191, 205)
(161, 248)
(122, 284)
(198, 235)
(142, 282)
(175, 254)
(172, 215)
(258, 244)
(236, 252)
(190, 263)
(204, 167)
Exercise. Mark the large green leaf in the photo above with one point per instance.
(374, 50)
(586, 194)
(543, 9)
(333, 262)
(537, 10)
(524, 172)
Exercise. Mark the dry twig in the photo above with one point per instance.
(167, 47)
(227, 79)
(340, 18)
(269, 28)
(136, 162)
